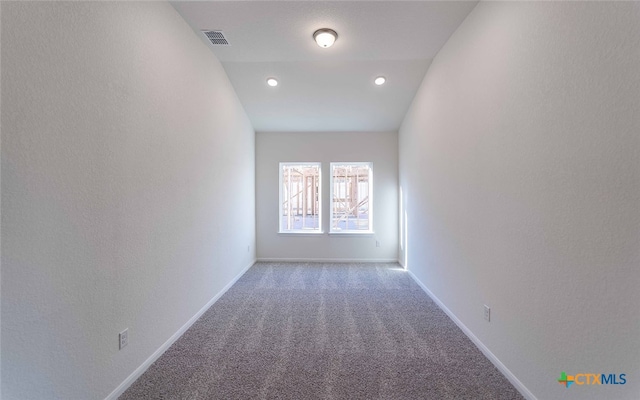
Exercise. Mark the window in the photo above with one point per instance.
(351, 194)
(300, 197)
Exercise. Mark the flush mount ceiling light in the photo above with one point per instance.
(380, 80)
(272, 82)
(325, 37)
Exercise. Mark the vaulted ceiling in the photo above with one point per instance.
(326, 89)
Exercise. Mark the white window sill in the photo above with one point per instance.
(301, 233)
(353, 233)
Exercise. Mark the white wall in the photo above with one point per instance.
(520, 170)
(379, 148)
(0, 211)
(120, 138)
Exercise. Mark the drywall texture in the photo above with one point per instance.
(520, 172)
(127, 190)
(326, 147)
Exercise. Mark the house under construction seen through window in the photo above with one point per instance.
(300, 197)
(351, 193)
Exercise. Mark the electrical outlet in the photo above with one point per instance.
(487, 313)
(377, 243)
(124, 338)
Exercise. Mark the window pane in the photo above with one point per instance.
(351, 202)
(300, 197)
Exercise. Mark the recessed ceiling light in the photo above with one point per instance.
(380, 80)
(272, 82)
(325, 37)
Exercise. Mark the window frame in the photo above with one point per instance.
(369, 231)
(303, 232)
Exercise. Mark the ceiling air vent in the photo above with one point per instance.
(216, 38)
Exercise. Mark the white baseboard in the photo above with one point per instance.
(494, 360)
(145, 365)
(332, 260)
